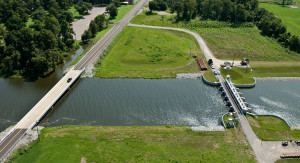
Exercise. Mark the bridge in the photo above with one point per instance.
(35, 115)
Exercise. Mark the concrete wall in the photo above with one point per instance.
(215, 84)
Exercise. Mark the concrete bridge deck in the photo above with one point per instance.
(37, 112)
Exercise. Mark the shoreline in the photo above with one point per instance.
(277, 78)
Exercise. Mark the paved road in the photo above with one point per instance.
(45, 104)
(205, 49)
(92, 55)
(265, 151)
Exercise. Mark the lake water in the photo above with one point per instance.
(281, 98)
(122, 102)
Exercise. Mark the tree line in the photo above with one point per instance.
(96, 25)
(231, 11)
(33, 51)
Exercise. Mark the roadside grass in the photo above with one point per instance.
(289, 16)
(149, 53)
(227, 39)
(238, 75)
(136, 144)
(75, 12)
(91, 44)
(269, 128)
(209, 75)
(277, 69)
(294, 160)
(122, 11)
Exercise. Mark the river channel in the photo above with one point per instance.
(122, 102)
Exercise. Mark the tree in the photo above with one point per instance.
(100, 21)
(152, 5)
(295, 44)
(86, 36)
(14, 23)
(179, 9)
(113, 11)
(52, 24)
(93, 28)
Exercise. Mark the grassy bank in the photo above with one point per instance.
(210, 76)
(295, 160)
(289, 16)
(238, 75)
(227, 39)
(149, 53)
(275, 69)
(92, 43)
(122, 11)
(271, 128)
(137, 144)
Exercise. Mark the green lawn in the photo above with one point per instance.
(271, 128)
(275, 69)
(289, 16)
(238, 75)
(227, 39)
(91, 43)
(136, 144)
(295, 160)
(209, 75)
(75, 12)
(149, 53)
(122, 11)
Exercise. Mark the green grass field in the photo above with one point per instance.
(275, 69)
(136, 144)
(295, 160)
(209, 75)
(122, 11)
(227, 39)
(75, 12)
(289, 16)
(238, 75)
(91, 43)
(270, 128)
(149, 53)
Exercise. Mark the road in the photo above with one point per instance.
(100, 46)
(265, 151)
(205, 49)
(33, 117)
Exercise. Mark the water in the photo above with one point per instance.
(138, 102)
(17, 97)
(276, 98)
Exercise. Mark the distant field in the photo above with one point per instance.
(122, 11)
(289, 16)
(149, 53)
(136, 144)
(270, 128)
(226, 39)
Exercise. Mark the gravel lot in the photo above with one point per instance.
(83, 24)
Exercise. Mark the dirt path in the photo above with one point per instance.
(83, 24)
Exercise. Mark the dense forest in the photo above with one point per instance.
(232, 11)
(33, 50)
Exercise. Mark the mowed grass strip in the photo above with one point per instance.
(149, 53)
(227, 39)
(289, 16)
(271, 128)
(136, 144)
(238, 75)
